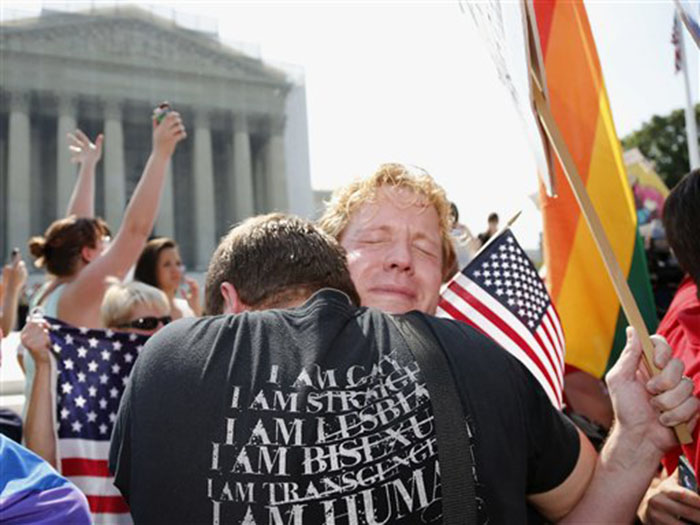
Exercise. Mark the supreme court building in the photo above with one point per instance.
(103, 71)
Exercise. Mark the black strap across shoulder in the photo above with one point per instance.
(458, 493)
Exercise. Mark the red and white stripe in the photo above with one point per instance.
(542, 352)
(84, 462)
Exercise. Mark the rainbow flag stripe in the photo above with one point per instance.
(578, 282)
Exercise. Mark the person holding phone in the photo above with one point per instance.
(14, 275)
(160, 265)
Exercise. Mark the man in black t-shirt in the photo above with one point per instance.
(304, 408)
(395, 226)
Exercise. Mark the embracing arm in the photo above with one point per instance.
(558, 502)
(622, 474)
(644, 410)
(87, 154)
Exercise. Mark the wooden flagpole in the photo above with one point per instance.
(624, 294)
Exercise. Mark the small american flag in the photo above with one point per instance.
(676, 40)
(691, 24)
(93, 368)
(500, 294)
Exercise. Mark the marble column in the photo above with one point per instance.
(65, 169)
(260, 183)
(18, 167)
(203, 173)
(275, 166)
(165, 223)
(243, 198)
(114, 167)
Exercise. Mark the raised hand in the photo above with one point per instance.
(14, 275)
(84, 151)
(167, 134)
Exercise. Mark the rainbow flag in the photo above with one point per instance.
(578, 282)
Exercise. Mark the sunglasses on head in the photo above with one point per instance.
(147, 323)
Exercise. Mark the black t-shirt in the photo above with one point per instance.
(484, 237)
(319, 414)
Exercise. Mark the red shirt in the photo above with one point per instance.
(681, 328)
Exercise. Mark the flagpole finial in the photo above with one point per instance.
(514, 218)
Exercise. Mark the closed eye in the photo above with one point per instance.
(372, 240)
(426, 249)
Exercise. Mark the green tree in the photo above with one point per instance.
(663, 140)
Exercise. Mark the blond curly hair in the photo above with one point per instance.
(347, 199)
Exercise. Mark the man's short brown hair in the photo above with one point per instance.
(272, 259)
(349, 198)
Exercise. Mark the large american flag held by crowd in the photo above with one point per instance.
(93, 368)
(500, 294)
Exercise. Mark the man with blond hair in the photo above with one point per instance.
(292, 405)
(395, 228)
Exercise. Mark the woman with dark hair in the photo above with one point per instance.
(78, 252)
(160, 265)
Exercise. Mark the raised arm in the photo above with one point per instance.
(38, 427)
(80, 302)
(87, 154)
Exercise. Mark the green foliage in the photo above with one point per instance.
(663, 140)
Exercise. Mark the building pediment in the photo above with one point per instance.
(131, 37)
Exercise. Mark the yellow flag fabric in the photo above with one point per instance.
(579, 284)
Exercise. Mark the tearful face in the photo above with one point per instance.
(394, 251)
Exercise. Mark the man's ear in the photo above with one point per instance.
(232, 303)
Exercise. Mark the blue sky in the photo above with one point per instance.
(413, 82)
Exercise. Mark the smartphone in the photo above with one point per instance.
(686, 475)
(14, 255)
(161, 111)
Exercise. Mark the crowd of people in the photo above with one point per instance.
(294, 393)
